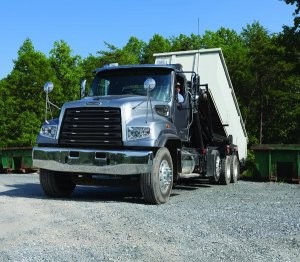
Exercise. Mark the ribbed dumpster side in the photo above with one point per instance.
(278, 162)
(16, 159)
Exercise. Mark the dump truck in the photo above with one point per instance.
(130, 127)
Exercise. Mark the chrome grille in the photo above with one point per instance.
(91, 127)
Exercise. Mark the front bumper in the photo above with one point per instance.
(109, 162)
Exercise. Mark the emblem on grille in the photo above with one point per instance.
(93, 103)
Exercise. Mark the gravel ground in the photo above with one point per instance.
(246, 221)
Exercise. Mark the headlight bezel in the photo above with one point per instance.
(137, 132)
(49, 131)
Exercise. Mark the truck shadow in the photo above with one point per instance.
(81, 193)
(28, 190)
(130, 194)
(192, 184)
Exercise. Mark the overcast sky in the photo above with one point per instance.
(85, 25)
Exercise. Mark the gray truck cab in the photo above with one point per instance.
(129, 114)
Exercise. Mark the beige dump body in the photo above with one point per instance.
(210, 65)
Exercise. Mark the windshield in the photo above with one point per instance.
(131, 81)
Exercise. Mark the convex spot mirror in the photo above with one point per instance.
(149, 83)
(48, 87)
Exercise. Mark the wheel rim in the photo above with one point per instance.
(218, 168)
(227, 170)
(235, 168)
(165, 175)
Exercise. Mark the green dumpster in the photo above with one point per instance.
(278, 162)
(16, 159)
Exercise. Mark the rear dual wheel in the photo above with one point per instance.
(225, 171)
(230, 170)
(234, 168)
(215, 179)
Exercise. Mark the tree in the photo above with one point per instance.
(89, 64)
(289, 38)
(134, 48)
(282, 125)
(157, 44)
(296, 13)
(131, 53)
(268, 70)
(68, 71)
(22, 105)
(184, 43)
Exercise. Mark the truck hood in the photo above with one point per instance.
(110, 101)
(131, 106)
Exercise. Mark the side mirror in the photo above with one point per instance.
(82, 88)
(149, 84)
(48, 87)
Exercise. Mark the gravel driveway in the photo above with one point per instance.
(246, 221)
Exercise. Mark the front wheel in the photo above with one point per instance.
(56, 184)
(157, 185)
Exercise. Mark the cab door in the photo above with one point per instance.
(182, 115)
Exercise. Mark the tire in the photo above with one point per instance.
(157, 185)
(234, 168)
(56, 184)
(217, 169)
(225, 171)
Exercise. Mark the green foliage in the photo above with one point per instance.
(68, 71)
(90, 64)
(157, 44)
(296, 13)
(131, 53)
(22, 97)
(267, 73)
(184, 43)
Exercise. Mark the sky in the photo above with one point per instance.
(86, 25)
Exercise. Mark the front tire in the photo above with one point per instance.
(157, 185)
(56, 184)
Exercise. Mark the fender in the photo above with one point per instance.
(163, 138)
(173, 143)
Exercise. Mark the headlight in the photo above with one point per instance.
(137, 132)
(49, 131)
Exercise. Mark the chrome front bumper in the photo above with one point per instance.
(112, 162)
